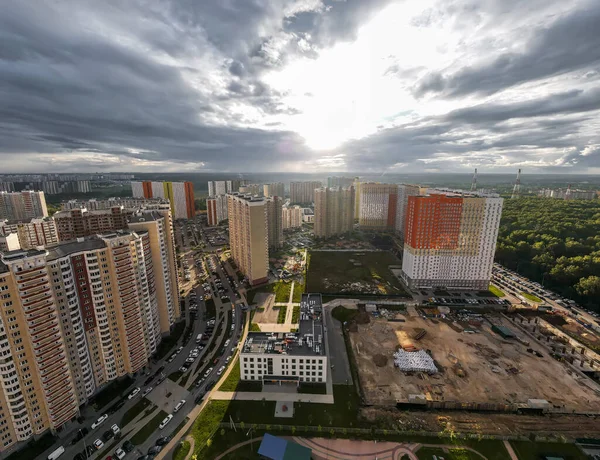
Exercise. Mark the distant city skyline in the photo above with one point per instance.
(300, 86)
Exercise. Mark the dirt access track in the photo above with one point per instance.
(475, 367)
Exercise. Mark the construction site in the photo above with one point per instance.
(464, 361)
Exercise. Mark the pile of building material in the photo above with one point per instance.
(414, 361)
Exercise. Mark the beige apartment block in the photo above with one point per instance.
(275, 222)
(378, 204)
(248, 235)
(22, 205)
(78, 223)
(274, 189)
(303, 192)
(159, 225)
(334, 211)
(33, 233)
(292, 216)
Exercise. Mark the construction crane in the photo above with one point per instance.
(474, 182)
(517, 188)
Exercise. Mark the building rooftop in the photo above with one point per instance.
(248, 197)
(144, 217)
(72, 247)
(308, 341)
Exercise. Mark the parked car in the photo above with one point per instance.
(99, 422)
(120, 453)
(162, 441)
(128, 446)
(135, 392)
(179, 405)
(146, 391)
(164, 423)
(98, 444)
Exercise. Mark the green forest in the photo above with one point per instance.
(554, 242)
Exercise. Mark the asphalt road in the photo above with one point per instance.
(340, 373)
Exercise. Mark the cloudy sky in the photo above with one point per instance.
(300, 85)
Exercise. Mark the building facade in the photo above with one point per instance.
(450, 240)
(292, 216)
(36, 232)
(22, 205)
(340, 181)
(334, 211)
(9, 242)
(179, 194)
(217, 187)
(378, 203)
(252, 189)
(216, 209)
(275, 222)
(404, 191)
(248, 235)
(77, 223)
(569, 194)
(279, 358)
(133, 203)
(303, 192)
(274, 189)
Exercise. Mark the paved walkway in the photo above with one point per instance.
(271, 396)
(510, 450)
(237, 446)
(190, 439)
(344, 449)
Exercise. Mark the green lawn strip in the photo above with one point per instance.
(111, 445)
(531, 297)
(184, 379)
(281, 314)
(497, 292)
(298, 291)
(527, 450)
(282, 291)
(296, 314)
(233, 379)
(134, 411)
(34, 448)
(332, 272)
(312, 388)
(182, 450)
(174, 376)
(169, 342)
(254, 327)
(150, 427)
(207, 424)
(112, 391)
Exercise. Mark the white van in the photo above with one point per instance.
(57, 453)
(199, 338)
(165, 421)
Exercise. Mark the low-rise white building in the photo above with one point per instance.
(281, 357)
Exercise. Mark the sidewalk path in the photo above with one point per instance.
(190, 439)
(510, 450)
(344, 449)
(237, 446)
(271, 396)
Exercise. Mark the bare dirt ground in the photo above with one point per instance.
(484, 423)
(480, 367)
(266, 301)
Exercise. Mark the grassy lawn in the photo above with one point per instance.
(296, 314)
(169, 342)
(331, 272)
(113, 390)
(181, 450)
(254, 327)
(497, 292)
(34, 448)
(211, 310)
(281, 315)
(150, 427)
(298, 291)
(343, 314)
(531, 297)
(427, 453)
(282, 291)
(207, 424)
(526, 450)
(174, 376)
(232, 380)
(184, 379)
(134, 411)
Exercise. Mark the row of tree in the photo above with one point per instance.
(554, 242)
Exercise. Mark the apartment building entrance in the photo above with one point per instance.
(281, 383)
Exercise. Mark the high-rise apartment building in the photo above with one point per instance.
(179, 194)
(22, 205)
(334, 211)
(9, 242)
(217, 187)
(404, 191)
(340, 181)
(378, 204)
(216, 209)
(159, 227)
(248, 235)
(450, 240)
(274, 189)
(303, 192)
(235, 184)
(252, 189)
(133, 203)
(36, 232)
(292, 216)
(77, 223)
(7, 186)
(356, 197)
(275, 222)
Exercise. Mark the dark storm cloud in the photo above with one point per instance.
(570, 43)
